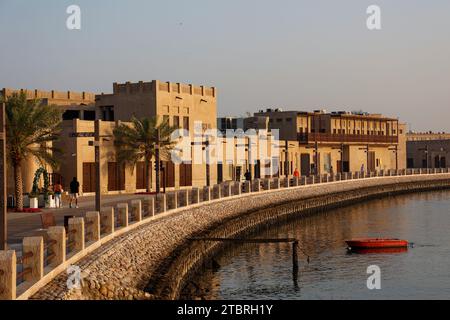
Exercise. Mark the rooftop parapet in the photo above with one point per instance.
(147, 87)
(51, 95)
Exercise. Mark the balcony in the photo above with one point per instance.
(345, 138)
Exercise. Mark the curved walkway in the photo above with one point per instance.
(121, 268)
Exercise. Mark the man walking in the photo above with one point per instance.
(74, 191)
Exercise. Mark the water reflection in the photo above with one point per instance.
(264, 271)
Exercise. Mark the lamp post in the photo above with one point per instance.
(157, 160)
(395, 150)
(205, 148)
(3, 204)
(426, 155)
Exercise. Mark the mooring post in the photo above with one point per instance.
(295, 262)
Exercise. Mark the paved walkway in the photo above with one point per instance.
(21, 225)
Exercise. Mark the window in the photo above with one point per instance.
(288, 119)
(279, 120)
(176, 121)
(89, 115)
(71, 114)
(186, 123)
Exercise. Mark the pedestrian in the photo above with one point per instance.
(296, 173)
(74, 191)
(58, 190)
(248, 176)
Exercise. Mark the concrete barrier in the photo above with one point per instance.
(108, 221)
(57, 235)
(76, 234)
(148, 206)
(92, 226)
(136, 210)
(122, 214)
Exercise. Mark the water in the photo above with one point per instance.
(264, 271)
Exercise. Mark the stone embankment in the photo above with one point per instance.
(155, 260)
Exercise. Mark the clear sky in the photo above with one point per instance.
(297, 55)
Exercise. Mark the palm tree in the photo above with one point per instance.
(31, 129)
(138, 141)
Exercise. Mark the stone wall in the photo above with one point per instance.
(155, 260)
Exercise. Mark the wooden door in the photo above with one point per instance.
(89, 177)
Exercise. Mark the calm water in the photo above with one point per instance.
(264, 271)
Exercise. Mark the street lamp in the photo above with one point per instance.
(3, 205)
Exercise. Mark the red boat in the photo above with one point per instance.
(375, 243)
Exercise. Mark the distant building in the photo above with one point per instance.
(230, 123)
(428, 150)
(339, 141)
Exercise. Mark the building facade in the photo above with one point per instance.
(75, 105)
(321, 142)
(428, 150)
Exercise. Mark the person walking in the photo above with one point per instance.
(58, 190)
(74, 191)
(248, 176)
(296, 173)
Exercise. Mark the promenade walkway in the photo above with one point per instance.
(22, 225)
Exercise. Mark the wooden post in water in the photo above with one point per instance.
(295, 263)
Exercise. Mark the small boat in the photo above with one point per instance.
(376, 243)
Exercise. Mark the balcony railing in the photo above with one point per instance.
(345, 138)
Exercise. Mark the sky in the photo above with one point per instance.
(295, 55)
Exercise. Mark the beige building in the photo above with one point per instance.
(181, 104)
(312, 142)
(76, 105)
(428, 150)
(340, 141)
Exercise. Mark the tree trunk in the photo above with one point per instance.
(148, 169)
(18, 186)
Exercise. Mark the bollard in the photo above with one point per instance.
(267, 184)
(313, 179)
(92, 226)
(108, 221)
(172, 201)
(238, 188)
(161, 204)
(228, 190)
(184, 198)
(58, 247)
(136, 210)
(277, 183)
(76, 234)
(8, 275)
(256, 186)
(287, 182)
(148, 206)
(207, 194)
(195, 196)
(122, 212)
(247, 186)
(296, 181)
(33, 251)
(217, 191)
